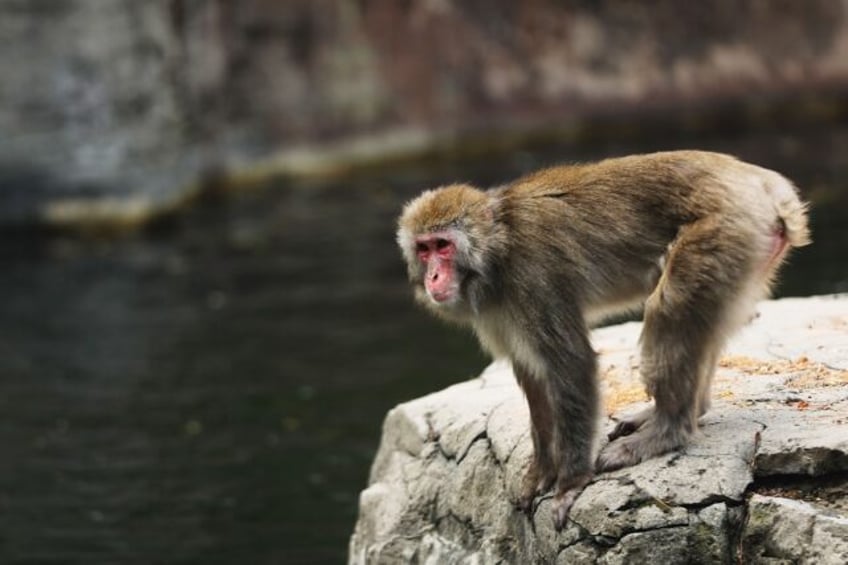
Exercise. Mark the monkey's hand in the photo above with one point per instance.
(537, 481)
(566, 493)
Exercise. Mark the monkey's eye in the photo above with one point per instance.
(420, 247)
(442, 243)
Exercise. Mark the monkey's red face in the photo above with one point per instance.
(437, 252)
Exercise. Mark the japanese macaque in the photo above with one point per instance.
(693, 237)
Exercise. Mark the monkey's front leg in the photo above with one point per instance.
(574, 404)
(542, 472)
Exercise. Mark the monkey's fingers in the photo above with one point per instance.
(534, 486)
(562, 506)
(564, 500)
(527, 502)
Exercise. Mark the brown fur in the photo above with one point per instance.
(695, 237)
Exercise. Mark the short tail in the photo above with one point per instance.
(791, 211)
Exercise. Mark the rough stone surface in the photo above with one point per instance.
(780, 530)
(765, 481)
(115, 109)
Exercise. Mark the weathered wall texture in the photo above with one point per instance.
(765, 480)
(138, 99)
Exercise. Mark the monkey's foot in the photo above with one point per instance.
(627, 426)
(642, 444)
(623, 428)
(565, 497)
(617, 454)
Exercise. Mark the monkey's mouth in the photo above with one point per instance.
(441, 296)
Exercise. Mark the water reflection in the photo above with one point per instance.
(211, 391)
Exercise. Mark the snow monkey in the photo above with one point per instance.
(694, 238)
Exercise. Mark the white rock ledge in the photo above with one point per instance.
(765, 481)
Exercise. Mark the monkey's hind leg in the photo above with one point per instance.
(627, 425)
(684, 328)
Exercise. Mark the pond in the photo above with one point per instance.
(211, 390)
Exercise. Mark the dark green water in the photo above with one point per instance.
(211, 390)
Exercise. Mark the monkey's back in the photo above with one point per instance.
(622, 214)
(672, 182)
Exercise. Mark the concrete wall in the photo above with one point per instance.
(116, 109)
